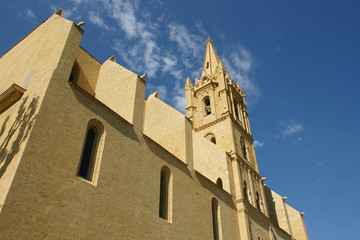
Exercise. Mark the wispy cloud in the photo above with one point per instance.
(27, 14)
(189, 44)
(171, 66)
(258, 143)
(30, 14)
(291, 129)
(178, 100)
(239, 63)
(159, 46)
(95, 18)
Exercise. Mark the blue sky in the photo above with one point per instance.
(297, 62)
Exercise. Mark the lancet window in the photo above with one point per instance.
(164, 193)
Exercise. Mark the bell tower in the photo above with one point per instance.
(216, 106)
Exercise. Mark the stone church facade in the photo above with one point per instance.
(83, 154)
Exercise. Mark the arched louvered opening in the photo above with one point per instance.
(246, 192)
(236, 109)
(243, 147)
(207, 106)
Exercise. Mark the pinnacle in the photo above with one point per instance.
(188, 81)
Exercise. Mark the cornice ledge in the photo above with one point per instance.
(211, 123)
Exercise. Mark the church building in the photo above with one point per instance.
(84, 155)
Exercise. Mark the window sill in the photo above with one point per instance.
(10, 96)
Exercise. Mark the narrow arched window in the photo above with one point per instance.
(236, 109)
(207, 65)
(92, 150)
(245, 191)
(258, 205)
(164, 193)
(215, 222)
(219, 182)
(243, 147)
(207, 106)
(89, 152)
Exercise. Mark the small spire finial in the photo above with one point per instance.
(188, 82)
(208, 40)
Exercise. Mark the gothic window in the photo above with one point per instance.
(243, 147)
(164, 193)
(246, 192)
(236, 109)
(90, 150)
(207, 106)
(214, 210)
(74, 75)
(258, 205)
(207, 65)
(219, 182)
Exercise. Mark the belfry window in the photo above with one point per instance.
(164, 193)
(258, 205)
(243, 147)
(214, 210)
(236, 109)
(246, 192)
(207, 106)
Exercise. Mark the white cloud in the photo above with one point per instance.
(239, 63)
(258, 143)
(189, 44)
(170, 65)
(179, 100)
(123, 11)
(151, 57)
(95, 18)
(290, 128)
(138, 40)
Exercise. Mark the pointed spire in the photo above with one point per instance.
(188, 82)
(196, 81)
(211, 59)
